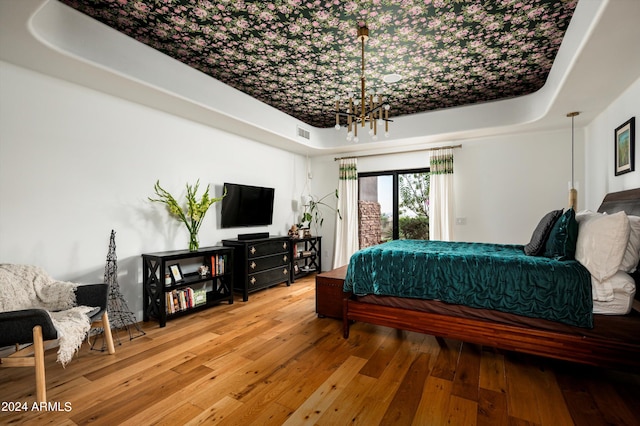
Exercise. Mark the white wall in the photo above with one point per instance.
(503, 184)
(76, 163)
(599, 159)
(324, 172)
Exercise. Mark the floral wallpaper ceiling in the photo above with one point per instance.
(297, 55)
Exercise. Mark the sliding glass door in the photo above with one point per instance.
(393, 205)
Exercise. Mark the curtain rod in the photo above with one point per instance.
(390, 153)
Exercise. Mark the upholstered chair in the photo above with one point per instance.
(32, 327)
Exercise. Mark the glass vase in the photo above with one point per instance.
(194, 244)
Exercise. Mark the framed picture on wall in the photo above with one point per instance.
(625, 141)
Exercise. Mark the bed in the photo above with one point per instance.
(604, 332)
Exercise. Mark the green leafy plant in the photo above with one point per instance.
(190, 214)
(414, 206)
(414, 228)
(414, 194)
(312, 211)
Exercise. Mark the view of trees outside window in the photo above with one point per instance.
(393, 205)
(386, 225)
(413, 203)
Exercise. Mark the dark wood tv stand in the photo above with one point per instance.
(260, 263)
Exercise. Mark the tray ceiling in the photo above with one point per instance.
(296, 55)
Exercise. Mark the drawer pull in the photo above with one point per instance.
(285, 271)
(252, 265)
(284, 245)
(252, 250)
(285, 258)
(253, 280)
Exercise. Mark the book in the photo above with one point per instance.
(218, 264)
(214, 263)
(199, 297)
(182, 301)
(168, 301)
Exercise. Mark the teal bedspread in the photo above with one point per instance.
(479, 275)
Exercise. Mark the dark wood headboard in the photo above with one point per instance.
(627, 201)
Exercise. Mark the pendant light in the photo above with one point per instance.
(369, 107)
(573, 192)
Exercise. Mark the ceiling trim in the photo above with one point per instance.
(57, 40)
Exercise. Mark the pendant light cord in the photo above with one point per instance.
(573, 116)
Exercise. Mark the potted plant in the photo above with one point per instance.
(313, 211)
(191, 214)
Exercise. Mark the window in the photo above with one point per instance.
(393, 205)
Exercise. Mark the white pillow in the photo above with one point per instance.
(585, 215)
(602, 242)
(623, 289)
(632, 254)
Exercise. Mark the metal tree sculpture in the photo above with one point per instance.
(120, 317)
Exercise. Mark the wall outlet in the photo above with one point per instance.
(461, 221)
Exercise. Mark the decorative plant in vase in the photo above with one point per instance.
(313, 213)
(191, 214)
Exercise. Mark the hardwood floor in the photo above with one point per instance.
(272, 361)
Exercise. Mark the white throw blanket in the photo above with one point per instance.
(29, 287)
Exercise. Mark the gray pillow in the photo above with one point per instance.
(539, 238)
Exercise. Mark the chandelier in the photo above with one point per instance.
(371, 108)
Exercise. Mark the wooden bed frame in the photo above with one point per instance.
(601, 351)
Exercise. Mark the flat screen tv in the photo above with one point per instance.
(246, 205)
